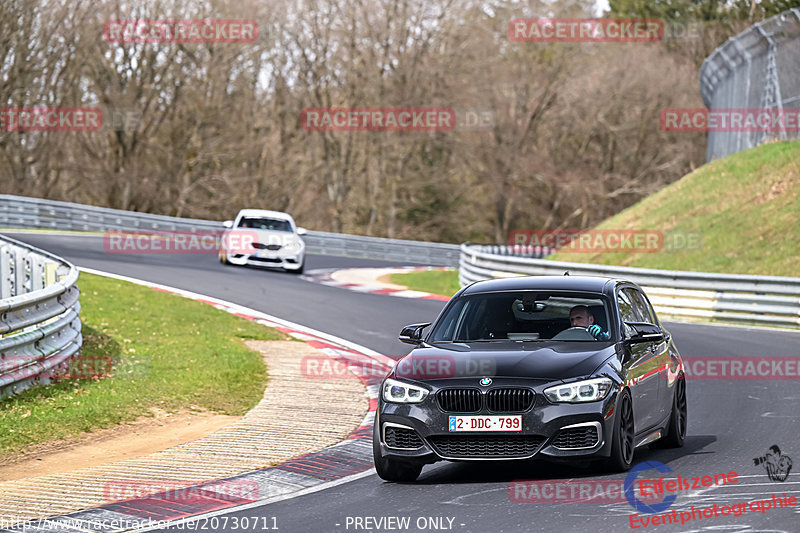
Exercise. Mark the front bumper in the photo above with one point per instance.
(557, 431)
(266, 258)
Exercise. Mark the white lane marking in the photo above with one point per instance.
(275, 499)
(457, 499)
(247, 311)
(258, 314)
(411, 294)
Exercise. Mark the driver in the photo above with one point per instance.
(581, 317)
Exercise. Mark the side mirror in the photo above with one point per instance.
(413, 334)
(642, 332)
(228, 223)
(302, 231)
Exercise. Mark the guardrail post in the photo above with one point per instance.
(50, 272)
(6, 272)
(37, 272)
(18, 275)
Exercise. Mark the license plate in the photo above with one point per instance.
(486, 423)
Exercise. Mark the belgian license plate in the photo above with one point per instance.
(486, 423)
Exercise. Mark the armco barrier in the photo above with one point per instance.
(24, 212)
(763, 300)
(766, 300)
(39, 325)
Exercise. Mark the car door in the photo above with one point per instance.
(661, 350)
(643, 378)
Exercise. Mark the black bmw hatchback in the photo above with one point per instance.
(566, 368)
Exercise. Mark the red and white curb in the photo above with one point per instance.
(348, 460)
(366, 280)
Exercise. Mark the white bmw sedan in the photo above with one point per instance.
(264, 238)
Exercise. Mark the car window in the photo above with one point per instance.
(627, 311)
(519, 315)
(263, 223)
(641, 306)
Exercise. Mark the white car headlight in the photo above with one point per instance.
(293, 246)
(588, 390)
(398, 392)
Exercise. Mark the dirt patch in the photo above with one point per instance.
(142, 437)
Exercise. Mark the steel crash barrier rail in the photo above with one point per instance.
(39, 325)
(760, 300)
(766, 300)
(25, 212)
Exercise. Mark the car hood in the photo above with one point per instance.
(269, 237)
(537, 360)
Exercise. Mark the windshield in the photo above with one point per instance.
(271, 224)
(524, 315)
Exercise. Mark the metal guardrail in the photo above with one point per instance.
(24, 212)
(39, 325)
(766, 300)
(756, 69)
(762, 300)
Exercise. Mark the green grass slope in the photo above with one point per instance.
(162, 352)
(744, 207)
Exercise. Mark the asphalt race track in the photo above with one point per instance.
(730, 422)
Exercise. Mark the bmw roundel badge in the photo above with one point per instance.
(486, 382)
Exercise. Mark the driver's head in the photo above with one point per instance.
(579, 316)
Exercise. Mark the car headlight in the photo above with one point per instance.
(589, 390)
(398, 392)
(293, 246)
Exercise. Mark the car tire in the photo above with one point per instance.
(622, 439)
(676, 430)
(392, 469)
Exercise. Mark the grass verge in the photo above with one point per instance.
(166, 352)
(442, 282)
(745, 209)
